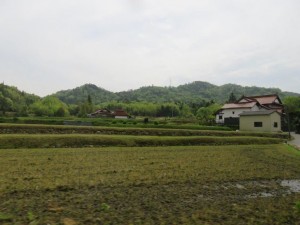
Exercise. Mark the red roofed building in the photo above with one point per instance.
(101, 113)
(120, 114)
(269, 102)
(232, 111)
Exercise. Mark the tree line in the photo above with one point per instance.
(18, 103)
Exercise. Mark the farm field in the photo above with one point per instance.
(244, 184)
(56, 136)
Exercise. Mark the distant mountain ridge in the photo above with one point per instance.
(191, 92)
(80, 94)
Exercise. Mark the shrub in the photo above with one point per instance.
(105, 207)
(298, 206)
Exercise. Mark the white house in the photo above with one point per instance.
(232, 111)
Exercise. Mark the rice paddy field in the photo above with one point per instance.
(154, 182)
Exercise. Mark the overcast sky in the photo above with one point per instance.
(52, 45)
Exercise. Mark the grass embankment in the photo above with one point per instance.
(134, 123)
(88, 140)
(59, 129)
(162, 185)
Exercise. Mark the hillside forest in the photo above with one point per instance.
(197, 100)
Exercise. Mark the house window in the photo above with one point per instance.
(275, 124)
(233, 112)
(220, 117)
(258, 124)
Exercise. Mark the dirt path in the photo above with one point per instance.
(296, 140)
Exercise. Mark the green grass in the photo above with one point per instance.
(5, 217)
(84, 140)
(149, 185)
(60, 129)
(154, 123)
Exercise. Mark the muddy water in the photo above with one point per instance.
(293, 185)
(261, 189)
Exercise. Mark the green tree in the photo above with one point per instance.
(73, 109)
(86, 107)
(292, 104)
(185, 111)
(206, 115)
(6, 104)
(61, 112)
(168, 110)
(292, 110)
(90, 100)
(232, 98)
(49, 106)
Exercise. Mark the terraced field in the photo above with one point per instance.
(47, 136)
(233, 184)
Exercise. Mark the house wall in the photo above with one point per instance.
(247, 123)
(275, 117)
(121, 117)
(234, 113)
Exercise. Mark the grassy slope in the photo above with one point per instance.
(162, 185)
(84, 140)
(59, 129)
(135, 123)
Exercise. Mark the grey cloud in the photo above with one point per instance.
(121, 45)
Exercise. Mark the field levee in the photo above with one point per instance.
(60, 129)
(89, 140)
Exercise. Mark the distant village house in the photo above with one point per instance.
(106, 113)
(101, 113)
(120, 114)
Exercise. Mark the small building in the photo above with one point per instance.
(101, 113)
(120, 114)
(260, 121)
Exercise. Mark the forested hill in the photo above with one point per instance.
(221, 93)
(192, 92)
(12, 99)
(80, 94)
